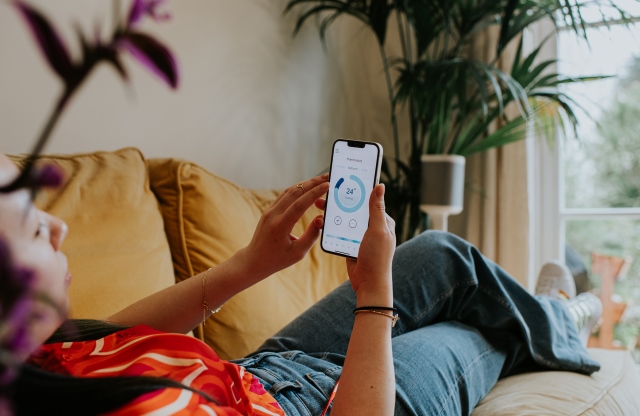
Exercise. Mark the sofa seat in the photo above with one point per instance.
(612, 391)
(137, 226)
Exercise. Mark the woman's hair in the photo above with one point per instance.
(37, 391)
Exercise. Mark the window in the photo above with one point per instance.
(590, 197)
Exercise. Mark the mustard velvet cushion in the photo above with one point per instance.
(118, 252)
(207, 220)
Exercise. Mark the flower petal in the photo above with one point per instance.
(137, 11)
(48, 39)
(140, 8)
(48, 176)
(153, 55)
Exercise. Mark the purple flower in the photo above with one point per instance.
(16, 306)
(48, 176)
(149, 52)
(140, 8)
(18, 319)
(14, 281)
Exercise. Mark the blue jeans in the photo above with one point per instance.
(464, 324)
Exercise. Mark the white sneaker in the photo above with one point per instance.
(555, 280)
(586, 309)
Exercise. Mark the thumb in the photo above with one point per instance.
(376, 206)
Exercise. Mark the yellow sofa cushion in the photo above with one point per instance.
(207, 220)
(118, 252)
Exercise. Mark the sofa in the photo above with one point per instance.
(137, 226)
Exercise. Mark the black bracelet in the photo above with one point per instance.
(368, 308)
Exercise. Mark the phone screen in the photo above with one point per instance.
(355, 170)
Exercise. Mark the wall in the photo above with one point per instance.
(255, 105)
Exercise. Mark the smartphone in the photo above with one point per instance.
(354, 171)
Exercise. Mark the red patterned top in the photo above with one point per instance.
(143, 351)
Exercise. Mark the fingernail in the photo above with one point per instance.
(381, 190)
(324, 175)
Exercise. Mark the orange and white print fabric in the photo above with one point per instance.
(143, 351)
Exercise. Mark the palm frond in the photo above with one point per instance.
(373, 13)
(513, 131)
(337, 9)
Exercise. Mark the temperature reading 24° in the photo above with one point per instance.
(349, 194)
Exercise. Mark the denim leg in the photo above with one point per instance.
(325, 327)
(443, 369)
(439, 277)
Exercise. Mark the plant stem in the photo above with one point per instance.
(53, 120)
(408, 37)
(394, 121)
(401, 33)
(23, 178)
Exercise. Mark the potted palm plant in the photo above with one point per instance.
(454, 101)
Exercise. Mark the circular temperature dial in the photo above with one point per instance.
(349, 194)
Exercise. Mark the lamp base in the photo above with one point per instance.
(439, 222)
(439, 215)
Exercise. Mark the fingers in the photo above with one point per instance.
(319, 221)
(294, 212)
(321, 203)
(295, 192)
(308, 239)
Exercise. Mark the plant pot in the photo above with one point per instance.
(442, 188)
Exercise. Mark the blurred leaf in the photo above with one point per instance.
(48, 40)
(152, 55)
(112, 57)
(513, 131)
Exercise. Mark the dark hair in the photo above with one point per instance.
(37, 391)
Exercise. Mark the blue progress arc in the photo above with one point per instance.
(362, 194)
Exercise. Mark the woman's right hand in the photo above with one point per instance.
(273, 246)
(370, 274)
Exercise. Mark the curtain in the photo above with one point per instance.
(496, 215)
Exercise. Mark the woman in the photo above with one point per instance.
(464, 323)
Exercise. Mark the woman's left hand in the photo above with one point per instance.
(273, 246)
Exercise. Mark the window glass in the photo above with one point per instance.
(593, 13)
(602, 165)
(618, 237)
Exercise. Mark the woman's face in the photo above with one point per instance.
(34, 239)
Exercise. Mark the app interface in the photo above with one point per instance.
(353, 173)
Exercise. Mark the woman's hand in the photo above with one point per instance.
(370, 274)
(273, 247)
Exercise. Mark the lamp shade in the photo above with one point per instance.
(442, 186)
